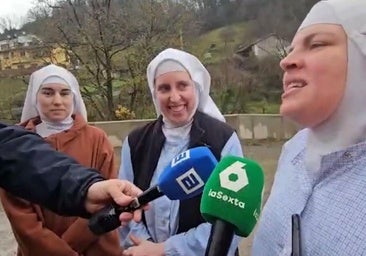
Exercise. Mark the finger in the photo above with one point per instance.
(146, 207)
(118, 193)
(135, 240)
(137, 215)
(125, 217)
(122, 199)
(131, 190)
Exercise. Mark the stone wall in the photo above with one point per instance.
(248, 127)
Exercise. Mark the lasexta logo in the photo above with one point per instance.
(234, 177)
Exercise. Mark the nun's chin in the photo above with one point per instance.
(173, 121)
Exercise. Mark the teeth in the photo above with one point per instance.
(177, 108)
(296, 85)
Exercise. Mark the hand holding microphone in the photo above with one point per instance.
(184, 178)
(231, 201)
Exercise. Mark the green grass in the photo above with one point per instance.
(12, 93)
(224, 42)
(258, 107)
(9, 87)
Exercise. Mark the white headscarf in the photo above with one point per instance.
(45, 75)
(196, 70)
(347, 125)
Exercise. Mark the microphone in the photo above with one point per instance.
(183, 178)
(296, 235)
(231, 201)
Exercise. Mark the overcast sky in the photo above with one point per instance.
(16, 10)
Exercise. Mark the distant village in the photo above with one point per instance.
(22, 53)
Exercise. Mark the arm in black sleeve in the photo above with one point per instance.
(30, 168)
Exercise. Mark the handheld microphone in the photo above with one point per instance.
(296, 235)
(183, 178)
(231, 201)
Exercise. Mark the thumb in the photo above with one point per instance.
(135, 240)
(119, 197)
(121, 192)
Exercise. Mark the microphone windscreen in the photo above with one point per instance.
(187, 173)
(233, 194)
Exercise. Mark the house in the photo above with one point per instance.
(263, 47)
(22, 53)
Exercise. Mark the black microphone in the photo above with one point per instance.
(220, 239)
(107, 219)
(296, 235)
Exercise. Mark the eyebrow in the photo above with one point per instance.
(51, 89)
(162, 84)
(178, 82)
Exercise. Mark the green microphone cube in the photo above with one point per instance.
(234, 194)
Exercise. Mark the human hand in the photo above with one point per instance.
(103, 193)
(144, 248)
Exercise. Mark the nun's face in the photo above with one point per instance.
(175, 96)
(314, 74)
(55, 101)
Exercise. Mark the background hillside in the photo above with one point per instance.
(111, 42)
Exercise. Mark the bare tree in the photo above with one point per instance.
(110, 38)
(161, 24)
(8, 23)
(93, 32)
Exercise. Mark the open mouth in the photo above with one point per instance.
(293, 86)
(299, 84)
(177, 108)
